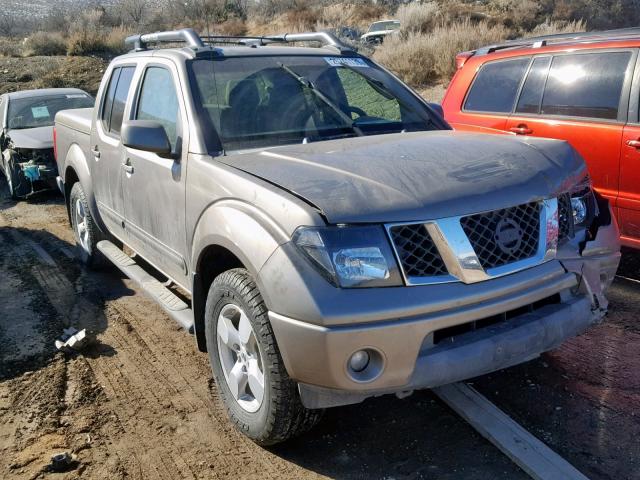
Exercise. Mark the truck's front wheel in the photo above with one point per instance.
(86, 231)
(253, 384)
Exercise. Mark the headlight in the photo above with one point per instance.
(579, 208)
(350, 256)
(583, 204)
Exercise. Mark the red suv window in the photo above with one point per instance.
(496, 86)
(531, 96)
(585, 85)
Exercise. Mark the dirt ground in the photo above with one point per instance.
(139, 402)
(55, 71)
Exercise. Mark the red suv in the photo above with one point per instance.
(583, 88)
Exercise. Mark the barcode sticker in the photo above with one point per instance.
(347, 62)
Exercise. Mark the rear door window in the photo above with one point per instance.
(531, 96)
(496, 86)
(108, 99)
(585, 85)
(120, 99)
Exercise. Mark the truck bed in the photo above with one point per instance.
(73, 127)
(78, 119)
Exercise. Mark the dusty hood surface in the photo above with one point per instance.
(41, 137)
(416, 176)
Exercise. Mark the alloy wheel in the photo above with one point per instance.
(240, 357)
(81, 222)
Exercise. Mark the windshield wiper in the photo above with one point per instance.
(308, 84)
(383, 90)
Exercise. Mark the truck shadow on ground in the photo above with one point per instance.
(44, 290)
(387, 437)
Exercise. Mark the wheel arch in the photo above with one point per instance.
(229, 234)
(77, 170)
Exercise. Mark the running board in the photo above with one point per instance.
(175, 307)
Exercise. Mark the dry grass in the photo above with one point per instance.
(234, 27)
(45, 43)
(9, 48)
(308, 18)
(114, 40)
(556, 26)
(422, 59)
(419, 17)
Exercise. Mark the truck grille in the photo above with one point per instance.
(504, 236)
(417, 252)
(565, 218)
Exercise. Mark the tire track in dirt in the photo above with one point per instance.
(143, 376)
(148, 332)
(79, 312)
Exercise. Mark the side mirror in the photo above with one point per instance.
(146, 135)
(438, 108)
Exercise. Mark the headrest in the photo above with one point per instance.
(244, 93)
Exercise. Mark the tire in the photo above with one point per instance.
(85, 229)
(279, 415)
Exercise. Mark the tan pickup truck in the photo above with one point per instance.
(333, 237)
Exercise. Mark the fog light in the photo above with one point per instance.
(359, 361)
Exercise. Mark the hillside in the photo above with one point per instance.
(42, 72)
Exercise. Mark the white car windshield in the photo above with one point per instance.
(40, 111)
(382, 26)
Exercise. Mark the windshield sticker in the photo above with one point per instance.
(347, 62)
(39, 112)
(76, 95)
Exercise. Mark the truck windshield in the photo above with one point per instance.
(253, 102)
(40, 111)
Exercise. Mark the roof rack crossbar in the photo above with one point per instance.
(540, 41)
(186, 35)
(325, 38)
(193, 40)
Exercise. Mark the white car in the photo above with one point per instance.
(378, 30)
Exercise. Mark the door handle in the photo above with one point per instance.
(633, 143)
(127, 167)
(521, 130)
(95, 151)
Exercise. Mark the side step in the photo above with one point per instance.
(177, 309)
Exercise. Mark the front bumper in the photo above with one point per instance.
(316, 353)
(34, 179)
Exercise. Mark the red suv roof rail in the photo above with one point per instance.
(462, 58)
(537, 42)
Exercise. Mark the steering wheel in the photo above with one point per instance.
(359, 111)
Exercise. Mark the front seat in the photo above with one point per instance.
(241, 118)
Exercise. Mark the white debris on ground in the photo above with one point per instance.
(72, 339)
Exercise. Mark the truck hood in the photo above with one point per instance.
(34, 138)
(416, 176)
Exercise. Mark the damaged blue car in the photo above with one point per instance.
(26, 138)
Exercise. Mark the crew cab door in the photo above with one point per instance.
(154, 187)
(493, 94)
(629, 196)
(107, 153)
(580, 97)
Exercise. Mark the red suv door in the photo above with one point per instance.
(492, 96)
(581, 97)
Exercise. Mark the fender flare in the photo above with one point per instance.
(247, 232)
(240, 228)
(76, 161)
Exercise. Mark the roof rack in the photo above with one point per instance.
(186, 35)
(541, 41)
(193, 40)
